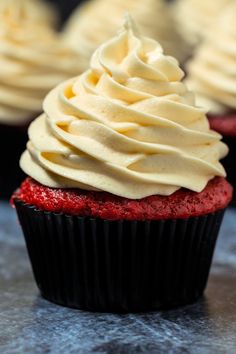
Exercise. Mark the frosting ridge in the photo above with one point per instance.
(28, 10)
(196, 17)
(212, 72)
(127, 126)
(33, 60)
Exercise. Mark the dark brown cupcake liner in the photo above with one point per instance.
(229, 164)
(119, 266)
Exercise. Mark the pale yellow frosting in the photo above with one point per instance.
(212, 73)
(29, 10)
(195, 17)
(97, 20)
(33, 59)
(127, 126)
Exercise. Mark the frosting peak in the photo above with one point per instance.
(153, 16)
(127, 126)
(130, 25)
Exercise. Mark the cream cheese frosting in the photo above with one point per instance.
(33, 59)
(128, 126)
(195, 17)
(29, 10)
(97, 20)
(212, 73)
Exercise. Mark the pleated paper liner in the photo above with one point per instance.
(119, 266)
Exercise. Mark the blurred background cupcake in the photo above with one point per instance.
(212, 75)
(40, 11)
(33, 59)
(195, 17)
(95, 21)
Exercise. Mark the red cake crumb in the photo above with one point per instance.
(181, 204)
(224, 124)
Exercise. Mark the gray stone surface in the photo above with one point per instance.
(29, 324)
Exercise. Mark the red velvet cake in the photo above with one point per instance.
(181, 204)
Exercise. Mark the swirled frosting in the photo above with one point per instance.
(212, 73)
(33, 59)
(28, 10)
(127, 126)
(97, 20)
(195, 17)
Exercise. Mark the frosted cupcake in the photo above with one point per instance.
(97, 20)
(212, 74)
(126, 192)
(33, 60)
(195, 17)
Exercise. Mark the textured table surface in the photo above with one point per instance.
(29, 324)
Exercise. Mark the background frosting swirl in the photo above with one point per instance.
(33, 59)
(195, 17)
(30, 10)
(212, 73)
(90, 25)
(127, 126)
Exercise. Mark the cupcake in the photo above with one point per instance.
(89, 26)
(125, 193)
(195, 17)
(33, 60)
(212, 74)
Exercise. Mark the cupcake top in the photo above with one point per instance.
(195, 17)
(97, 20)
(212, 73)
(127, 126)
(33, 60)
(29, 10)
